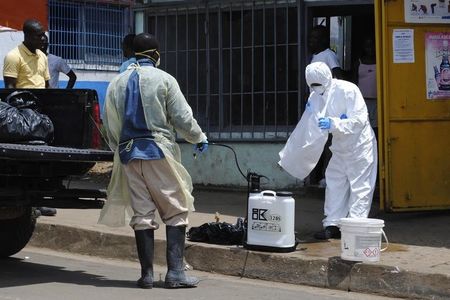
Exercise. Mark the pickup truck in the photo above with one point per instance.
(36, 174)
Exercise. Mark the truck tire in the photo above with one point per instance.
(15, 233)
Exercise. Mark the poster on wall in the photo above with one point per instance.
(437, 65)
(427, 11)
(403, 46)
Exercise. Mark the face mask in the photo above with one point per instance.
(143, 53)
(319, 89)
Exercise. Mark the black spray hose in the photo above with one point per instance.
(234, 152)
(250, 177)
(235, 157)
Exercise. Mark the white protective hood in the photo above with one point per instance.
(318, 72)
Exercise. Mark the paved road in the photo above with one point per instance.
(44, 274)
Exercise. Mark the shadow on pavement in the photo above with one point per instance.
(19, 272)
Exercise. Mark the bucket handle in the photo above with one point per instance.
(269, 193)
(386, 239)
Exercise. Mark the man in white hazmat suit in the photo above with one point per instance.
(352, 170)
(144, 106)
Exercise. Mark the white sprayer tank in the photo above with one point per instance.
(271, 219)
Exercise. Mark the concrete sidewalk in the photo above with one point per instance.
(416, 264)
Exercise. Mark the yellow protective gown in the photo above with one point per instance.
(165, 110)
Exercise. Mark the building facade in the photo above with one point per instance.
(240, 65)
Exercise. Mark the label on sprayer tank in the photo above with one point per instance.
(263, 220)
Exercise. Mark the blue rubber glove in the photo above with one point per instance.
(324, 123)
(201, 147)
(343, 116)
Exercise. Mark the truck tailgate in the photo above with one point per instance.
(49, 153)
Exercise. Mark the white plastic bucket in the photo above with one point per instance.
(361, 239)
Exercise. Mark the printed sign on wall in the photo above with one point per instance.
(427, 11)
(403, 46)
(437, 65)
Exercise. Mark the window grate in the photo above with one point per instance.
(236, 63)
(88, 34)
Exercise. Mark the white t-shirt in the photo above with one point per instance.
(56, 65)
(327, 56)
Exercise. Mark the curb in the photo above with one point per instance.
(333, 273)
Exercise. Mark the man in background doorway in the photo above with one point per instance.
(58, 65)
(366, 79)
(319, 45)
(128, 52)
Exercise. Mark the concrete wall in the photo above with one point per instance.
(217, 166)
(9, 39)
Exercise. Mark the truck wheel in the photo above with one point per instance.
(15, 233)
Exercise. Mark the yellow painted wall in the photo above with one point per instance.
(415, 132)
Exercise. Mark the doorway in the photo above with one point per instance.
(348, 25)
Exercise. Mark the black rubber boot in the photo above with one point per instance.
(175, 277)
(145, 247)
(330, 232)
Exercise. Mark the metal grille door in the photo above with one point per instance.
(88, 34)
(236, 62)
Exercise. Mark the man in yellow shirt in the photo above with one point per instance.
(26, 66)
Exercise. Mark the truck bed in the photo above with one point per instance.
(72, 152)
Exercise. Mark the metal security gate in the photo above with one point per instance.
(237, 63)
(88, 33)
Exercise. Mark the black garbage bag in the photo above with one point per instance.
(220, 233)
(22, 99)
(23, 124)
